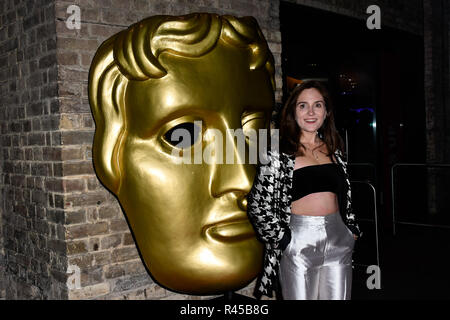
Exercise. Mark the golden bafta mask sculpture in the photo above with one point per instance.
(197, 72)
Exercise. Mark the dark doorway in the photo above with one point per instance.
(377, 84)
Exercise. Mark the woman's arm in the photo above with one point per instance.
(351, 220)
(260, 202)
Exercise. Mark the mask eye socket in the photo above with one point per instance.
(184, 135)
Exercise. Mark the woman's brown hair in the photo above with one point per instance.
(290, 131)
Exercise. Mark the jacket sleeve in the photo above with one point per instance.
(351, 220)
(260, 203)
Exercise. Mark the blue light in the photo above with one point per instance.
(362, 109)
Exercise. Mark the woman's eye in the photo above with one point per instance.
(319, 105)
(183, 135)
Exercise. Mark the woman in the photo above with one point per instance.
(300, 204)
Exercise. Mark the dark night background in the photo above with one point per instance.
(377, 79)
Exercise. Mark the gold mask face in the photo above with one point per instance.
(197, 72)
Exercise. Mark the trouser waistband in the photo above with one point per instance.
(298, 219)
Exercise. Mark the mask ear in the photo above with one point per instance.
(106, 98)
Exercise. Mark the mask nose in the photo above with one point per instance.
(234, 177)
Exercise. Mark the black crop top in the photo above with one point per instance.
(317, 178)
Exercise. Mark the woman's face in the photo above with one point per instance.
(310, 110)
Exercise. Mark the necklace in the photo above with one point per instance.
(312, 151)
(314, 155)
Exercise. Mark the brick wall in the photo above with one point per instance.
(55, 212)
(437, 84)
(32, 212)
(2, 260)
(437, 100)
(98, 237)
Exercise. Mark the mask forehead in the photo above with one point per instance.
(220, 82)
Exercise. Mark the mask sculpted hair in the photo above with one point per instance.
(132, 55)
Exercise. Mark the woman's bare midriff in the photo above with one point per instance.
(316, 204)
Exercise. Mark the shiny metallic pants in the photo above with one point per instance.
(317, 263)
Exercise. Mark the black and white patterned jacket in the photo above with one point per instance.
(269, 210)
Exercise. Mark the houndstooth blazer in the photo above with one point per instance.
(269, 209)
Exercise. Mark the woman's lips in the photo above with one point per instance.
(231, 231)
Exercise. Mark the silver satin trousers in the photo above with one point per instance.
(317, 263)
